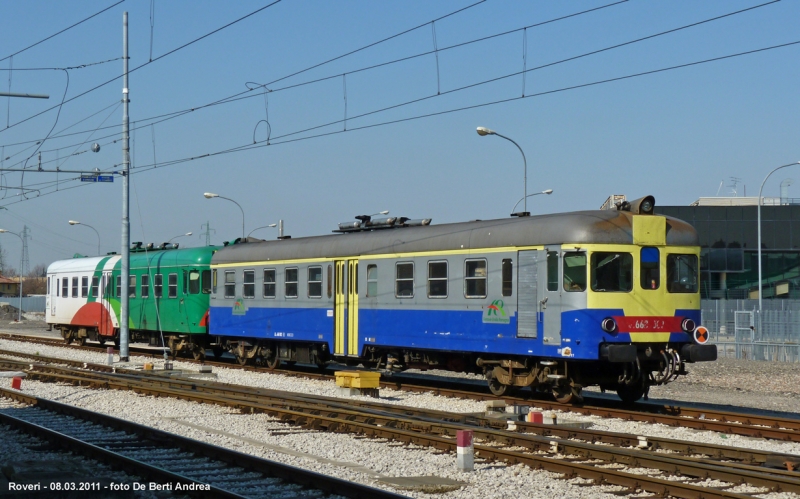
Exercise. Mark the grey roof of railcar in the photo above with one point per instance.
(580, 227)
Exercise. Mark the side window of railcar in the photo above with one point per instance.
(58, 287)
(172, 285)
(74, 287)
(230, 284)
(650, 268)
(249, 284)
(682, 273)
(508, 276)
(404, 280)
(315, 282)
(612, 271)
(290, 282)
(437, 279)
(84, 286)
(145, 292)
(158, 285)
(475, 278)
(214, 281)
(269, 283)
(205, 282)
(65, 287)
(185, 282)
(575, 271)
(194, 282)
(95, 286)
(119, 286)
(330, 280)
(552, 271)
(372, 280)
(132, 286)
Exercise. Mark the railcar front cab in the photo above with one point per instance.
(629, 314)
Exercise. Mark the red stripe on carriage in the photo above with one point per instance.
(648, 324)
(204, 320)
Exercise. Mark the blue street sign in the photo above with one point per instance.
(88, 178)
(105, 178)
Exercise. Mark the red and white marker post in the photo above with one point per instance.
(465, 459)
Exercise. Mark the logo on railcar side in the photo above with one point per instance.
(495, 313)
(239, 308)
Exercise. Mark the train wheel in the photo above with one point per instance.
(67, 336)
(242, 360)
(198, 352)
(273, 361)
(567, 394)
(82, 341)
(101, 340)
(173, 347)
(218, 351)
(498, 389)
(633, 392)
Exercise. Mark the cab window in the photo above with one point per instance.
(194, 282)
(682, 273)
(612, 272)
(650, 273)
(575, 271)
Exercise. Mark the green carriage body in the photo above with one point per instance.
(169, 291)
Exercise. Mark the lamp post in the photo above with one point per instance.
(19, 311)
(181, 235)
(760, 302)
(75, 222)
(483, 131)
(547, 191)
(210, 195)
(262, 227)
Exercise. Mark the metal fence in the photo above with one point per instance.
(740, 332)
(29, 303)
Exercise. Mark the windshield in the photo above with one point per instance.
(682, 273)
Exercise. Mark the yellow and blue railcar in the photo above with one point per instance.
(555, 302)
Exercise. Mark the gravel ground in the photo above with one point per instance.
(367, 460)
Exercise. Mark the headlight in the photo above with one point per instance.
(688, 325)
(609, 325)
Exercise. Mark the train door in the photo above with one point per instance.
(549, 270)
(528, 308)
(107, 286)
(52, 295)
(345, 312)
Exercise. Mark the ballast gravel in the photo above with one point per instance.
(367, 461)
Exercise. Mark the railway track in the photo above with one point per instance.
(687, 470)
(709, 419)
(173, 463)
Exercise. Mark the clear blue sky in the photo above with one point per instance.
(674, 134)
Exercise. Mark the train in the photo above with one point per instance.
(554, 302)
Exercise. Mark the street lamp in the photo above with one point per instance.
(759, 239)
(262, 227)
(483, 131)
(210, 195)
(75, 222)
(548, 191)
(19, 311)
(181, 235)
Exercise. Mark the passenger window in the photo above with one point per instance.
(214, 281)
(437, 279)
(118, 281)
(372, 280)
(172, 283)
(315, 282)
(230, 284)
(185, 282)
(682, 273)
(330, 280)
(249, 284)
(612, 271)
(158, 285)
(145, 286)
(269, 283)
(84, 286)
(132, 286)
(65, 287)
(575, 271)
(290, 282)
(508, 276)
(552, 271)
(404, 280)
(205, 282)
(95, 285)
(74, 287)
(475, 279)
(48, 285)
(649, 268)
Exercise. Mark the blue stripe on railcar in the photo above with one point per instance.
(300, 324)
